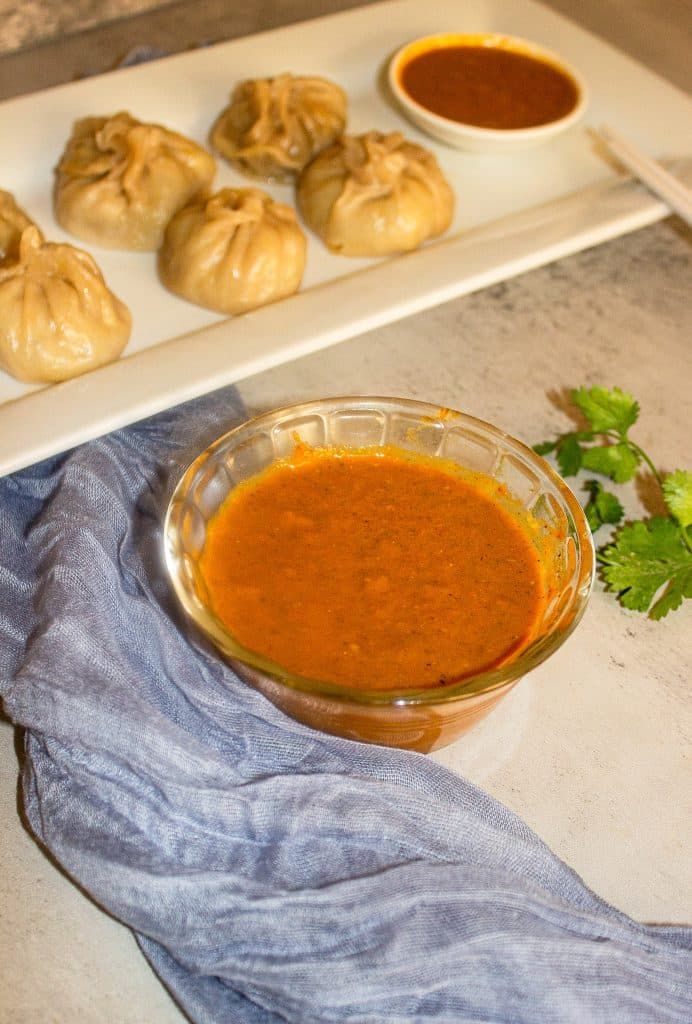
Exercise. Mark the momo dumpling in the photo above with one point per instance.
(57, 316)
(233, 251)
(375, 195)
(120, 181)
(13, 220)
(274, 126)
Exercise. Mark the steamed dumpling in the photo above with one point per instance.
(274, 126)
(57, 316)
(375, 195)
(233, 251)
(119, 181)
(13, 220)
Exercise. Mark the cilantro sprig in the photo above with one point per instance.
(648, 563)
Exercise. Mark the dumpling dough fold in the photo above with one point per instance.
(58, 318)
(274, 126)
(375, 195)
(120, 181)
(233, 251)
(13, 220)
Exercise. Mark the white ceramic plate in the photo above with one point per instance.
(514, 212)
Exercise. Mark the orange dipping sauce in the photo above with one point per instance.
(374, 569)
(489, 87)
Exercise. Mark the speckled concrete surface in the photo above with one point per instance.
(35, 21)
(593, 748)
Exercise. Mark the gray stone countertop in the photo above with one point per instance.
(593, 748)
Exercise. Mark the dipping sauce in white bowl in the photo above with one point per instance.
(486, 92)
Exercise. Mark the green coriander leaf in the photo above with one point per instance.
(649, 564)
(672, 596)
(592, 517)
(569, 455)
(617, 461)
(545, 448)
(607, 410)
(644, 558)
(602, 507)
(677, 491)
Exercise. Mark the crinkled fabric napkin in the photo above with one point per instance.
(271, 873)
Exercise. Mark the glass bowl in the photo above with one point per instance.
(423, 719)
(472, 137)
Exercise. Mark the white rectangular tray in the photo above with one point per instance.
(513, 212)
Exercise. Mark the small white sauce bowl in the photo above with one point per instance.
(471, 137)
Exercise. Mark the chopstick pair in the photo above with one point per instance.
(649, 172)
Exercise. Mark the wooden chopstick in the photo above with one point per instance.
(649, 172)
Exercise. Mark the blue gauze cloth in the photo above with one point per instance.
(271, 873)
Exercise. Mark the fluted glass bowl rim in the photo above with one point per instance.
(479, 684)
